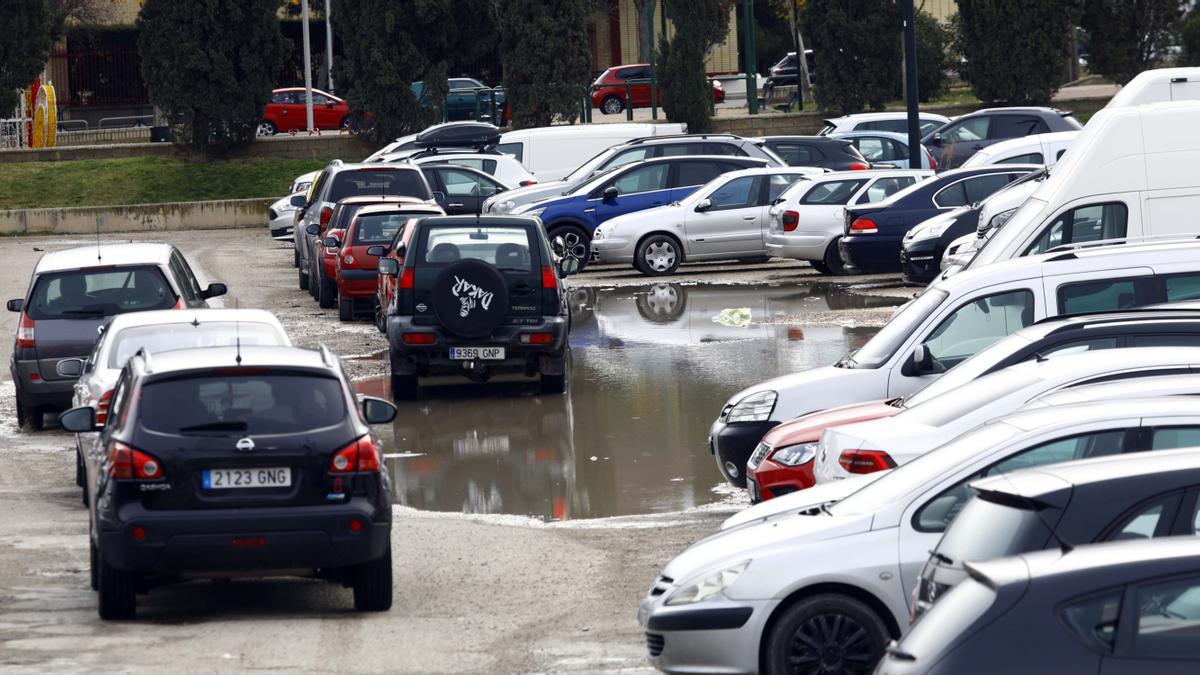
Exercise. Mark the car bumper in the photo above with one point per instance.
(281, 226)
(867, 254)
(39, 393)
(770, 479)
(798, 245)
(614, 250)
(710, 637)
(732, 445)
(203, 540)
(920, 261)
(435, 359)
(358, 283)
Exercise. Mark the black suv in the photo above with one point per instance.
(221, 461)
(477, 296)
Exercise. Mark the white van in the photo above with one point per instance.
(1157, 86)
(1044, 149)
(551, 153)
(952, 320)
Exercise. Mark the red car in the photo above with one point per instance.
(357, 261)
(323, 286)
(286, 112)
(783, 461)
(612, 99)
(385, 288)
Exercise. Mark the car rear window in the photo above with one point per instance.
(101, 291)
(395, 182)
(257, 402)
(986, 530)
(508, 248)
(378, 228)
(165, 337)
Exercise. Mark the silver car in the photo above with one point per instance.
(281, 217)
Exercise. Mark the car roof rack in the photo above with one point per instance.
(1112, 315)
(1069, 250)
(647, 139)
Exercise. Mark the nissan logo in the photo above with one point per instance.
(244, 445)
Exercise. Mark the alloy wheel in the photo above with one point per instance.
(829, 644)
(576, 247)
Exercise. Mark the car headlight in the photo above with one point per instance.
(753, 408)
(1001, 218)
(504, 207)
(708, 586)
(795, 455)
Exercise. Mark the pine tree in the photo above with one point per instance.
(686, 93)
(1189, 37)
(1128, 36)
(856, 45)
(544, 49)
(211, 64)
(1017, 52)
(24, 48)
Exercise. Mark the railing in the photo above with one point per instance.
(125, 122)
(485, 101)
(13, 133)
(108, 77)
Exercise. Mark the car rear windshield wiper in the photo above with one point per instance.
(226, 425)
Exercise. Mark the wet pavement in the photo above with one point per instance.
(650, 368)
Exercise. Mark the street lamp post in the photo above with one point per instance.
(910, 84)
(751, 57)
(308, 110)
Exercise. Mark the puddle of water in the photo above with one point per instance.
(650, 369)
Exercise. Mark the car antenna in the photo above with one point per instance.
(237, 332)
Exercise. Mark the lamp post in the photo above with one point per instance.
(751, 57)
(308, 111)
(910, 85)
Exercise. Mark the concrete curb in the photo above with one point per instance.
(227, 214)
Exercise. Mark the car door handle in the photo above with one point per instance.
(454, 205)
(749, 217)
(590, 209)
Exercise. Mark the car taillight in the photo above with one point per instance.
(360, 456)
(866, 461)
(859, 166)
(102, 407)
(537, 338)
(127, 463)
(791, 219)
(549, 278)
(527, 183)
(25, 333)
(863, 226)
(326, 214)
(418, 338)
(407, 278)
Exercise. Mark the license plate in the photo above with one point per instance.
(476, 353)
(225, 479)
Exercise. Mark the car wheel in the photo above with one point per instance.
(612, 105)
(93, 560)
(404, 387)
(820, 266)
(826, 634)
(327, 291)
(118, 591)
(833, 259)
(659, 255)
(373, 585)
(314, 278)
(380, 317)
(345, 123)
(345, 309)
(295, 256)
(29, 417)
(755, 261)
(576, 243)
(302, 275)
(556, 384)
(265, 128)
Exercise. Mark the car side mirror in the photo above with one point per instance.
(401, 251)
(377, 410)
(704, 205)
(377, 251)
(935, 139)
(568, 266)
(313, 229)
(69, 368)
(558, 246)
(922, 360)
(297, 201)
(80, 420)
(439, 197)
(16, 305)
(330, 242)
(610, 193)
(214, 290)
(389, 267)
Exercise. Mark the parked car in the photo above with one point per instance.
(1107, 498)
(950, 321)
(281, 217)
(896, 122)
(71, 294)
(355, 266)
(886, 147)
(316, 500)
(457, 136)
(339, 181)
(953, 144)
(723, 219)
(468, 99)
(1036, 149)
(153, 331)
(737, 601)
(807, 220)
(874, 232)
(385, 284)
(478, 296)
(288, 111)
(459, 189)
(610, 95)
(1121, 607)
(503, 168)
(828, 153)
(631, 188)
(994, 213)
(783, 461)
(786, 73)
(635, 150)
(555, 151)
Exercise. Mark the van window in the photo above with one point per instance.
(517, 150)
(978, 324)
(832, 192)
(1031, 158)
(1094, 222)
(1105, 295)
(1182, 287)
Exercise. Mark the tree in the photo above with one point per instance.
(211, 64)
(856, 45)
(543, 76)
(25, 25)
(1017, 51)
(77, 12)
(686, 93)
(933, 56)
(387, 46)
(1128, 36)
(1189, 36)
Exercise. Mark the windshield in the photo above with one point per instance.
(985, 530)
(970, 369)
(167, 336)
(889, 338)
(258, 402)
(378, 228)
(100, 291)
(1014, 228)
(960, 402)
(397, 182)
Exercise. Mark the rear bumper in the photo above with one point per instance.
(435, 359)
(202, 540)
(39, 393)
(799, 245)
(357, 283)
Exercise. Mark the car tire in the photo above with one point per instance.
(373, 585)
(820, 266)
(78, 465)
(29, 417)
(404, 387)
(839, 632)
(327, 291)
(93, 561)
(345, 309)
(833, 260)
(658, 255)
(757, 260)
(578, 243)
(555, 384)
(380, 317)
(314, 278)
(612, 105)
(345, 123)
(265, 128)
(295, 256)
(302, 275)
(118, 591)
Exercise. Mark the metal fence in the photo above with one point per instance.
(110, 77)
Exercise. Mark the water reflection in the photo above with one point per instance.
(650, 369)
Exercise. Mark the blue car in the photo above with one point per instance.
(874, 232)
(628, 188)
(886, 147)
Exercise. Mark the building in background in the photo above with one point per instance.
(613, 38)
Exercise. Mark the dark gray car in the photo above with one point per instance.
(954, 143)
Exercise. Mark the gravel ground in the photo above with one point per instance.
(473, 594)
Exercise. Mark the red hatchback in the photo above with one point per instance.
(356, 266)
(613, 99)
(783, 461)
(287, 112)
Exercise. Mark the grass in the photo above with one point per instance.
(956, 95)
(144, 180)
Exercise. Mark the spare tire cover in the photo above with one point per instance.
(470, 298)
